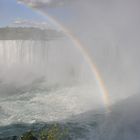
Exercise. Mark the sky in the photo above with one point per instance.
(11, 11)
(23, 12)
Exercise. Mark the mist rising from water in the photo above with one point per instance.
(53, 82)
(44, 78)
(35, 64)
(110, 30)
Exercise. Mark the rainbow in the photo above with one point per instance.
(84, 52)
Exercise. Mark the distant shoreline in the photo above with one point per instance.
(29, 33)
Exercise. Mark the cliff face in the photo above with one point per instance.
(30, 33)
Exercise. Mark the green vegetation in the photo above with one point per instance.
(54, 132)
(28, 136)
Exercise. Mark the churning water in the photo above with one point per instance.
(43, 82)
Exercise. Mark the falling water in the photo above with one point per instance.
(41, 82)
(44, 73)
(49, 81)
(23, 52)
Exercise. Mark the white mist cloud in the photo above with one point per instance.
(45, 3)
(110, 30)
(35, 3)
(30, 23)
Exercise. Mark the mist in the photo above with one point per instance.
(110, 32)
(40, 64)
(46, 79)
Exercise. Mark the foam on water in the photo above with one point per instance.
(43, 106)
(121, 124)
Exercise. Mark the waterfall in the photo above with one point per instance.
(26, 63)
(23, 52)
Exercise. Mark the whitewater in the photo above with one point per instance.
(39, 87)
(54, 80)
